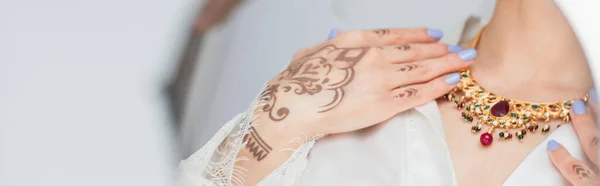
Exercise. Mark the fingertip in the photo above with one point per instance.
(468, 54)
(332, 33)
(578, 107)
(557, 152)
(455, 48)
(552, 145)
(453, 78)
(435, 33)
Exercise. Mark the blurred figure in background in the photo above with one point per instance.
(210, 14)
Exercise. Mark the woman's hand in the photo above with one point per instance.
(578, 172)
(352, 81)
(360, 78)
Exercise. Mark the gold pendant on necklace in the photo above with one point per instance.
(501, 113)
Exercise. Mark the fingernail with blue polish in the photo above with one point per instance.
(332, 33)
(578, 107)
(593, 95)
(468, 54)
(453, 78)
(552, 145)
(455, 48)
(435, 33)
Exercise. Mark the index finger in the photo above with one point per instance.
(572, 169)
(586, 130)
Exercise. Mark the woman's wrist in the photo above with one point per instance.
(268, 144)
(279, 135)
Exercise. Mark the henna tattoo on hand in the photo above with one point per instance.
(403, 47)
(256, 145)
(582, 172)
(407, 67)
(407, 93)
(310, 75)
(382, 32)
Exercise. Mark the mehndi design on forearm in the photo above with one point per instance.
(312, 74)
(256, 145)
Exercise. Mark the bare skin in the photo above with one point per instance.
(528, 52)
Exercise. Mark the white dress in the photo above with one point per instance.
(409, 149)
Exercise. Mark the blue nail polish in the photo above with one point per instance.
(455, 48)
(453, 78)
(332, 33)
(593, 94)
(468, 54)
(552, 145)
(578, 107)
(435, 33)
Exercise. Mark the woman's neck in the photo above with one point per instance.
(529, 52)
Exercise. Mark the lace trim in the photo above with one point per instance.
(220, 170)
(215, 162)
(289, 172)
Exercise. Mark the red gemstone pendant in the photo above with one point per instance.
(486, 139)
(500, 109)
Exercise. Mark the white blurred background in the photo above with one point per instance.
(82, 97)
(83, 84)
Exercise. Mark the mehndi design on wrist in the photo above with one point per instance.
(256, 145)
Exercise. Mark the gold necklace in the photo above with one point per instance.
(498, 112)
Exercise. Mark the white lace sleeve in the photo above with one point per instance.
(214, 163)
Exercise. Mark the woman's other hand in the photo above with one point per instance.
(579, 172)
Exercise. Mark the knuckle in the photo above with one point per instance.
(424, 70)
(355, 35)
(423, 97)
(441, 48)
(374, 54)
(415, 52)
(568, 163)
(449, 59)
(438, 88)
(435, 89)
(376, 51)
(594, 143)
(422, 31)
